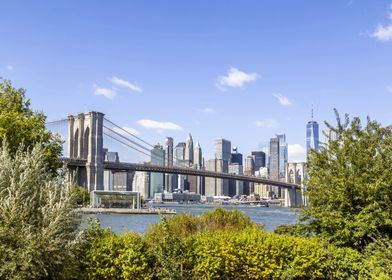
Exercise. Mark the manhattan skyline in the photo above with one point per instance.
(240, 70)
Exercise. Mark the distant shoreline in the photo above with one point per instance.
(152, 211)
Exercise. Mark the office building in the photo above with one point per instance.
(169, 163)
(222, 149)
(216, 186)
(236, 157)
(157, 179)
(249, 168)
(283, 155)
(259, 159)
(235, 187)
(312, 136)
(197, 156)
(141, 183)
(189, 149)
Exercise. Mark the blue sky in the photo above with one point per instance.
(242, 70)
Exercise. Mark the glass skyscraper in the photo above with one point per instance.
(312, 137)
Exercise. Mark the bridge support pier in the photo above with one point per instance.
(85, 141)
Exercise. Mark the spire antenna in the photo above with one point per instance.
(312, 112)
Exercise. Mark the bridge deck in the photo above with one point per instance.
(124, 166)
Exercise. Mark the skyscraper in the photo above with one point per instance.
(156, 179)
(236, 157)
(274, 159)
(169, 163)
(282, 156)
(189, 149)
(312, 136)
(179, 160)
(222, 149)
(259, 159)
(197, 156)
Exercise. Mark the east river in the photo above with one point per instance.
(271, 217)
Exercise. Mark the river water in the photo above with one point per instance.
(271, 217)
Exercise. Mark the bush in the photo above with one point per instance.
(38, 220)
(114, 256)
(253, 254)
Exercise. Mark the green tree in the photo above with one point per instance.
(38, 220)
(20, 124)
(350, 184)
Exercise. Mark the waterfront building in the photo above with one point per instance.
(283, 155)
(222, 149)
(259, 159)
(189, 149)
(157, 179)
(169, 163)
(312, 136)
(262, 189)
(216, 186)
(235, 187)
(141, 183)
(274, 163)
(198, 164)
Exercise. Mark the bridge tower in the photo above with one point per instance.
(85, 141)
(295, 174)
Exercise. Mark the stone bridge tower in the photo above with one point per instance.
(85, 141)
(295, 174)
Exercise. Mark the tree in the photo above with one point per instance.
(350, 184)
(20, 124)
(38, 220)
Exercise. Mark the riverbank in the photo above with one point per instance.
(144, 211)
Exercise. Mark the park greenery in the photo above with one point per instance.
(344, 233)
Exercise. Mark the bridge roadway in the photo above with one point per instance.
(123, 166)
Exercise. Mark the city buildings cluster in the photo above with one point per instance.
(227, 159)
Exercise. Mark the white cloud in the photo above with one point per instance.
(150, 124)
(266, 123)
(296, 152)
(383, 33)
(128, 129)
(126, 84)
(235, 78)
(208, 110)
(10, 68)
(109, 93)
(283, 100)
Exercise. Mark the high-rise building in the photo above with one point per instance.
(179, 154)
(169, 163)
(312, 136)
(259, 159)
(141, 183)
(235, 187)
(249, 169)
(157, 179)
(283, 155)
(197, 156)
(189, 149)
(236, 157)
(216, 186)
(274, 159)
(222, 149)
(169, 151)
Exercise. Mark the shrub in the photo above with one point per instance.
(38, 221)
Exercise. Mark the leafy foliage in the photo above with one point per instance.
(82, 195)
(19, 124)
(38, 221)
(350, 185)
